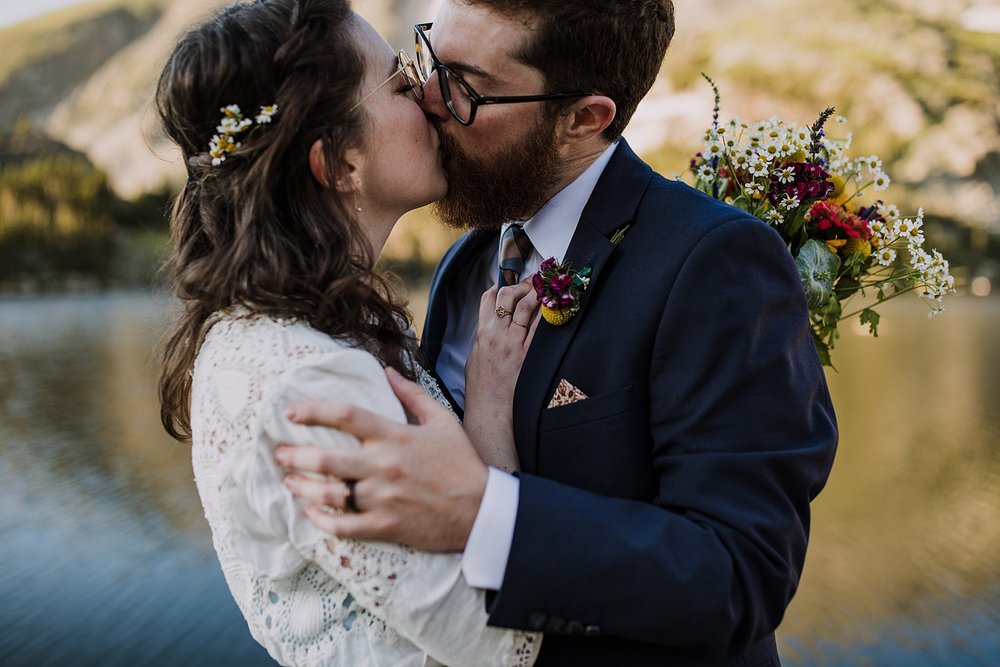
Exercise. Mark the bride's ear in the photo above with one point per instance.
(347, 175)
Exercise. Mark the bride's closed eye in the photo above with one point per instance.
(410, 87)
(404, 88)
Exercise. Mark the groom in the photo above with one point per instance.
(671, 434)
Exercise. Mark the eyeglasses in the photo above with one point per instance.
(409, 71)
(462, 99)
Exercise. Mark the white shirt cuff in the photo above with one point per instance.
(485, 559)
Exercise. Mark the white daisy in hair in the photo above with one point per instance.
(266, 113)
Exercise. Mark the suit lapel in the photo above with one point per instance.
(455, 261)
(449, 270)
(610, 208)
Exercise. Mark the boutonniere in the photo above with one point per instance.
(559, 289)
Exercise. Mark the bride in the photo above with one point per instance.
(304, 144)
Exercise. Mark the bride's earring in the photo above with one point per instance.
(357, 204)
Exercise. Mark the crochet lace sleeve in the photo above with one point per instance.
(421, 596)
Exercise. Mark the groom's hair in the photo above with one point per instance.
(609, 48)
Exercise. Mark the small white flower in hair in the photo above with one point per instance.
(266, 113)
(231, 126)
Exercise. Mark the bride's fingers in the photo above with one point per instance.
(516, 292)
(530, 298)
(488, 305)
(525, 309)
(509, 296)
(531, 329)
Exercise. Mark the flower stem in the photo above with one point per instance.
(891, 296)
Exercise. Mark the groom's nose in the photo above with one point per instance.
(433, 104)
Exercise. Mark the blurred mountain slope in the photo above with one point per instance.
(110, 117)
(43, 60)
(87, 74)
(918, 80)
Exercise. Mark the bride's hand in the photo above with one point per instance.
(507, 322)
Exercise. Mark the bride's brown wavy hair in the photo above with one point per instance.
(258, 230)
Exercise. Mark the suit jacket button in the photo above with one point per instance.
(592, 630)
(555, 625)
(536, 621)
(574, 628)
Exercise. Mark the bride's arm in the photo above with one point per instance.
(492, 369)
(421, 596)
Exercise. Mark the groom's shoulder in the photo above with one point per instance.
(684, 204)
(462, 251)
(456, 245)
(467, 242)
(667, 206)
(672, 209)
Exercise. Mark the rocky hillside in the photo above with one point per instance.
(43, 61)
(87, 75)
(919, 81)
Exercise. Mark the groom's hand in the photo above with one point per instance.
(419, 485)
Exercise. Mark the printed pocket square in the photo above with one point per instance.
(566, 394)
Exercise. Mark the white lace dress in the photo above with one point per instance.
(352, 604)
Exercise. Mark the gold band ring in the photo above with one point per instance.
(502, 312)
(513, 321)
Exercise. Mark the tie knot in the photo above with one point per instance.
(515, 248)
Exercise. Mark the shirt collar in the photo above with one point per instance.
(551, 229)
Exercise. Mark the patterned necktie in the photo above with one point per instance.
(515, 248)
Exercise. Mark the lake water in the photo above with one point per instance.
(106, 559)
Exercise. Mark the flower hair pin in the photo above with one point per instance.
(232, 125)
(560, 289)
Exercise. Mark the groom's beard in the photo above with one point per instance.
(485, 192)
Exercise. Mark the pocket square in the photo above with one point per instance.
(566, 394)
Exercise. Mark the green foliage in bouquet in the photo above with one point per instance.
(804, 184)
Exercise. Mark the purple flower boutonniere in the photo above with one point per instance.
(560, 289)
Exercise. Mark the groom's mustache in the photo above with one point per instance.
(447, 145)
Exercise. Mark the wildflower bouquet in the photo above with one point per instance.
(805, 185)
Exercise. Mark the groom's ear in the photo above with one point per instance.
(346, 176)
(587, 118)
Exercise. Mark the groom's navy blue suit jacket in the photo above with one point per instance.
(664, 519)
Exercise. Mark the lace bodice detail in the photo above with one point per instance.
(307, 598)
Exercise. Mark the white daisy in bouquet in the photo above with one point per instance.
(845, 240)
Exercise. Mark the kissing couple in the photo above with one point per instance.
(604, 448)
